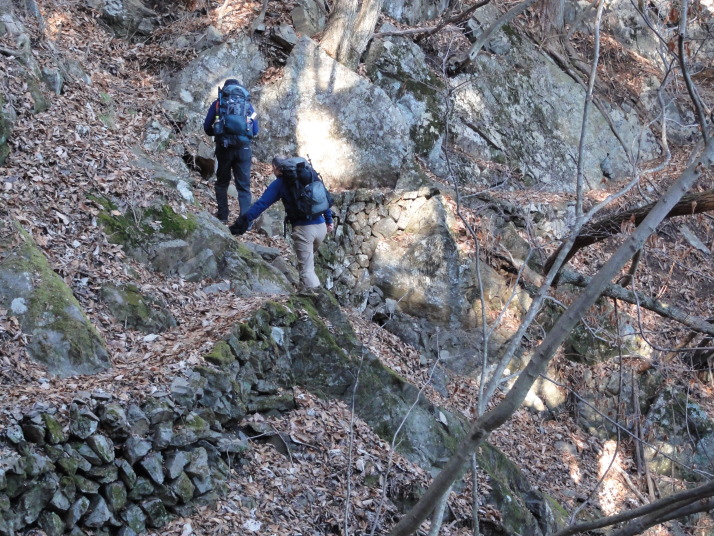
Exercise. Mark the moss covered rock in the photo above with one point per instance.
(524, 509)
(60, 334)
(309, 342)
(399, 67)
(325, 356)
(193, 247)
(220, 355)
(682, 434)
(7, 124)
(136, 310)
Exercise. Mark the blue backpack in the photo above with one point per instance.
(234, 123)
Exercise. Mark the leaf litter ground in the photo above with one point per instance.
(297, 482)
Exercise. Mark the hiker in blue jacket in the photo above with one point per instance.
(233, 154)
(307, 233)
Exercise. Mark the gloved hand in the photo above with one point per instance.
(240, 226)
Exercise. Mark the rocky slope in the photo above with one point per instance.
(153, 365)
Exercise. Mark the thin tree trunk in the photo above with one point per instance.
(600, 230)
(553, 18)
(363, 32)
(335, 40)
(538, 363)
(438, 518)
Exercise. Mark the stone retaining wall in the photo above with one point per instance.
(365, 217)
(113, 468)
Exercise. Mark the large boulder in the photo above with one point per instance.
(349, 127)
(399, 67)
(126, 18)
(193, 247)
(413, 12)
(197, 84)
(60, 335)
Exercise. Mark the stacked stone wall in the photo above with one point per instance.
(112, 468)
(366, 217)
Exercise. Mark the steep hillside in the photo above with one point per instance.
(113, 158)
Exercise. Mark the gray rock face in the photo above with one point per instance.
(194, 88)
(399, 67)
(126, 17)
(61, 335)
(309, 16)
(421, 268)
(350, 129)
(531, 119)
(414, 11)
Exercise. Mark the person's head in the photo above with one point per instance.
(231, 82)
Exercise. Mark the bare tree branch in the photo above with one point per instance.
(660, 507)
(690, 204)
(696, 323)
(422, 33)
(693, 94)
(640, 525)
(486, 35)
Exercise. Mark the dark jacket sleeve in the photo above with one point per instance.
(270, 196)
(210, 118)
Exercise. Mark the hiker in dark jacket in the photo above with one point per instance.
(234, 156)
(307, 233)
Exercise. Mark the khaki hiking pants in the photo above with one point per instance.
(306, 240)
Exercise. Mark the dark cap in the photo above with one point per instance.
(232, 82)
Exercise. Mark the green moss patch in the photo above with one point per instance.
(61, 336)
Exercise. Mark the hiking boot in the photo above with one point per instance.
(223, 219)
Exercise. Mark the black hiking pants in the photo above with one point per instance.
(235, 160)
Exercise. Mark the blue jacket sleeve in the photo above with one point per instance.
(270, 196)
(210, 118)
(328, 216)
